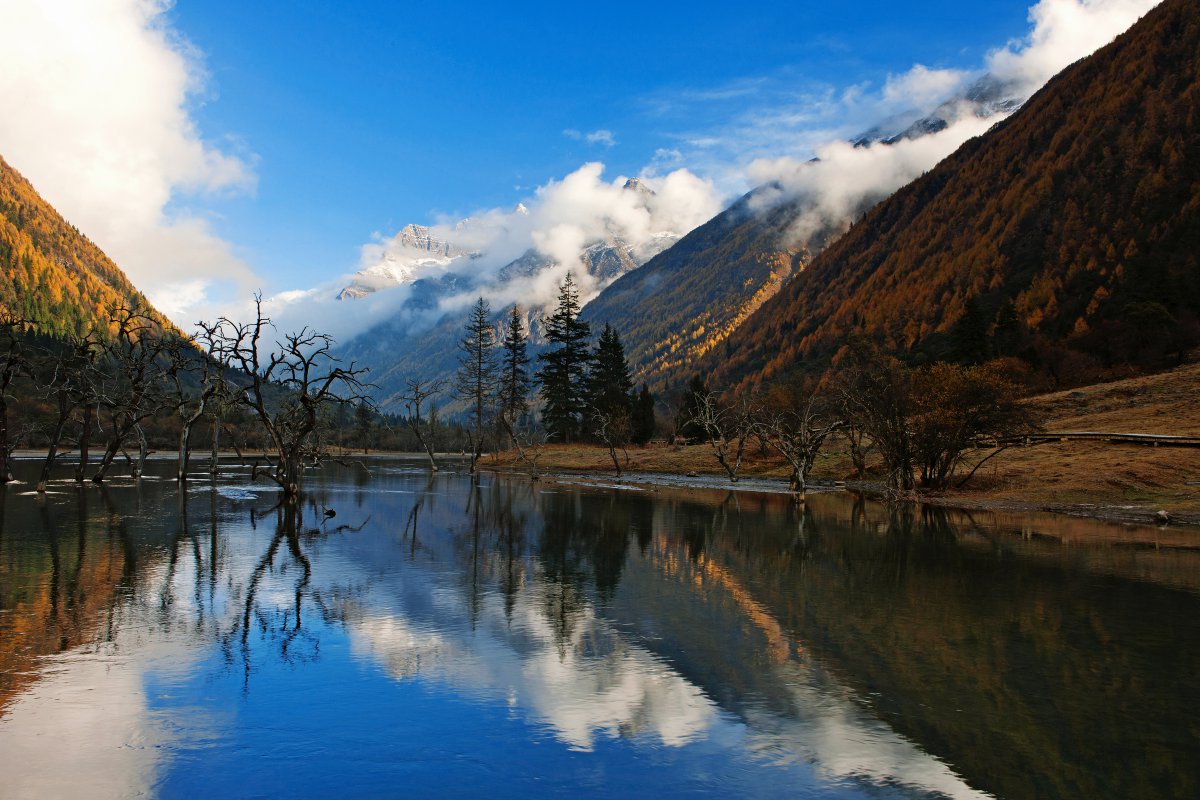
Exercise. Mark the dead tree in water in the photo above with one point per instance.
(288, 390)
(135, 386)
(207, 366)
(68, 377)
(14, 364)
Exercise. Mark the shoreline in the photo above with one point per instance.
(1118, 514)
(753, 480)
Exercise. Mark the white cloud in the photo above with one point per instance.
(834, 188)
(602, 136)
(1064, 31)
(922, 87)
(789, 116)
(559, 220)
(844, 179)
(98, 96)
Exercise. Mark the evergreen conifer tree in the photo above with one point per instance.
(514, 370)
(476, 377)
(610, 389)
(564, 367)
(643, 417)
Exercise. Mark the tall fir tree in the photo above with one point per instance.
(609, 387)
(476, 377)
(564, 367)
(514, 370)
(644, 423)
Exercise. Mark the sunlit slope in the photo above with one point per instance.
(684, 302)
(1078, 217)
(51, 273)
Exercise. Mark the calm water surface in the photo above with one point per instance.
(508, 638)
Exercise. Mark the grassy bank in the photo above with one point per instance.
(1111, 481)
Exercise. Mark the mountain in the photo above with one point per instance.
(52, 274)
(690, 297)
(1070, 233)
(985, 97)
(414, 251)
(684, 303)
(421, 339)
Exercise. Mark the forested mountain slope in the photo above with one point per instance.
(52, 274)
(1068, 234)
(684, 303)
(687, 299)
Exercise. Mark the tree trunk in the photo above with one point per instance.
(289, 473)
(52, 453)
(139, 468)
(433, 465)
(214, 461)
(5, 470)
(612, 452)
(85, 440)
(185, 437)
(110, 455)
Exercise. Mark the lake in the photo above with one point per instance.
(440, 636)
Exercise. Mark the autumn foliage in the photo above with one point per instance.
(1068, 236)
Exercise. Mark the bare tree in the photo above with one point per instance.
(418, 393)
(876, 396)
(797, 433)
(202, 359)
(14, 364)
(67, 375)
(727, 428)
(613, 429)
(134, 386)
(288, 389)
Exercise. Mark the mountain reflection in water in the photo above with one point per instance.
(441, 635)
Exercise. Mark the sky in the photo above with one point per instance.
(215, 148)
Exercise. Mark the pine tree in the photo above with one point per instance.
(514, 370)
(644, 423)
(610, 388)
(476, 375)
(564, 368)
(364, 424)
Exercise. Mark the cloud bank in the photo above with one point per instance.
(558, 221)
(97, 97)
(838, 180)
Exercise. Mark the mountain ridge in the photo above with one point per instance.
(1079, 210)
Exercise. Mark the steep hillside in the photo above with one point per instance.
(690, 297)
(50, 273)
(684, 304)
(1069, 234)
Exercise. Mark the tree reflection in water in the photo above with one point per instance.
(876, 644)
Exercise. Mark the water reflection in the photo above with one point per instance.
(841, 646)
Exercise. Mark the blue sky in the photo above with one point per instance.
(372, 115)
(214, 147)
